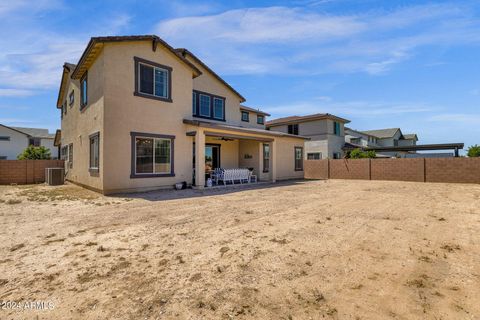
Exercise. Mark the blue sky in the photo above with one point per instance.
(408, 64)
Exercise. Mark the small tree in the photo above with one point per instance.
(35, 153)
(474, 151)
(359, 154)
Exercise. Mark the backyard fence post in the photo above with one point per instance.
(424, 170)
(328, 168)
(369, 169)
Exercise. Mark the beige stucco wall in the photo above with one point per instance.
(126, 113)
(210, 84)
(285, 158)
(78, 125)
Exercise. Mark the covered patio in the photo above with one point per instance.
(235, 150)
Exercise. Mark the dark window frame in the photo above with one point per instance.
(300, 168)
(138, 93)
(4, 138)
(134, 136)
(194, 103)
(260, 116)
(37, 142)
(83, 102)
(266, 160)
(71, 98)
(314, 154)
(247, 114)
(212, 98)
(70, 155)
(93, 170)
(293, 129)
(336, 128)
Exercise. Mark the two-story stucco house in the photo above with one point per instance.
(359, 138)
(138, 114)
(326, 133)
(13, 140)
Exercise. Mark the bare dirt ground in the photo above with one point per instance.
(305, 250)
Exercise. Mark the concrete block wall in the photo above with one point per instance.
(26, 171)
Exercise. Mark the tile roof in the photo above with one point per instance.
(242, 107)
(296, 119)
(35, 132)
(382, 133)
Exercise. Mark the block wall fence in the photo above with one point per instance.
(26, 171)
(453, 170)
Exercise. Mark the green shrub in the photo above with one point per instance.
(359, 154)
(474, 151)
(35, 153)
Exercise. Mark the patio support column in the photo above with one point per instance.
(274, 155)
(200, 159)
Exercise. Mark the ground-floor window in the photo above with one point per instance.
(70, 155)
(337, 155)
(94, 162)
(152, 155)
(266, 157)
(314, 156)
(298, 158)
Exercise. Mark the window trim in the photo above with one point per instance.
(248, 116)
(83, 104)
(295, 158)
(260, 116)
(293, 131)
(71, 98)
(93, 170)
(266, 169)
(70, 155)
(314, 153)
(137, 62)
(223, 108)
(212, 98)
(134, 136)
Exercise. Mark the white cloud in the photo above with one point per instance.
(32, 55)
(281, 40)
(15, 93)
(358, 109)
(462, 118)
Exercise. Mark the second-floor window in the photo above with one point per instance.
(34, 142)
(71, 98)
(245, 116)
(83, 91)
(336, 128)
(260, 119)
(152, 80)
(205, 105)
(293, 129)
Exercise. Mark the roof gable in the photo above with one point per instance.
(185, 52)
(383, 133)
(95, 46)
(299, 119)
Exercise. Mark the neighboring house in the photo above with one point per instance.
(13, 140)
(326, 133)
(138, 114)
(393, 137)
(359, 138)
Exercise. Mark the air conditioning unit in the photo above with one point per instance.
(54, 176)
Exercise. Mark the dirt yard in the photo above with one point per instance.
(307, 250)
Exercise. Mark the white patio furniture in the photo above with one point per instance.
(232, 175)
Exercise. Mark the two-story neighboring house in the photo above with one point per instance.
(326, 133)
(359, 138)
(138, 114)
(13, 140)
